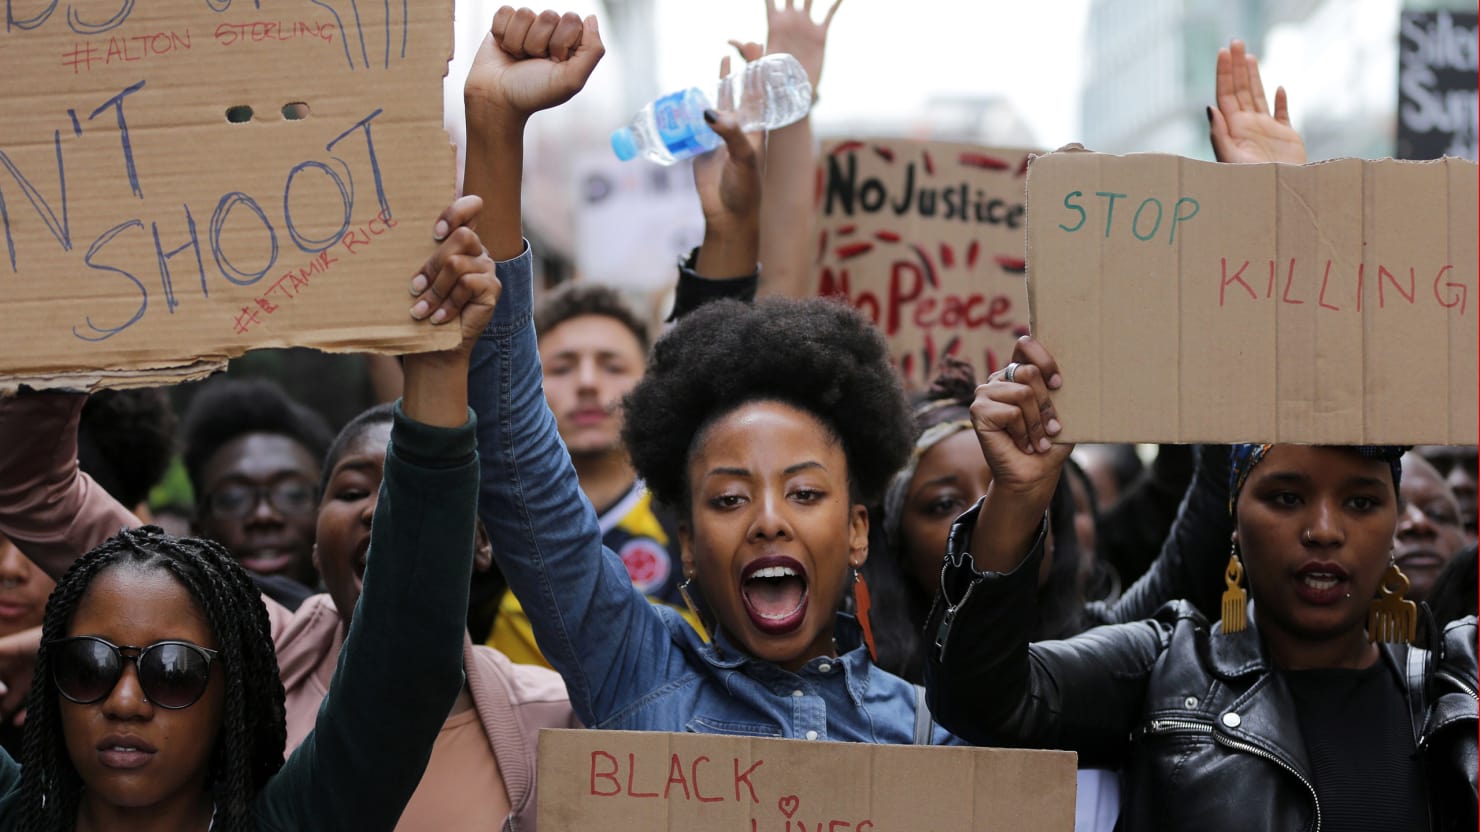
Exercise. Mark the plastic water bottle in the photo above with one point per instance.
(764, 95)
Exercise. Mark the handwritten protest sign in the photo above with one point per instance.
(182, 180)
(1195, 302)
(639, 781)
(926, 239)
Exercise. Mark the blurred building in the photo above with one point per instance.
(1150, 70)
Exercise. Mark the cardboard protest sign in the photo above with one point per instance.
(183, 180)
(1189, 301)
(639, 781)
(926, 239)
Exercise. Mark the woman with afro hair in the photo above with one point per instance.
(768, 428)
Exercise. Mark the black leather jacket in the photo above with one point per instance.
(1203, 729)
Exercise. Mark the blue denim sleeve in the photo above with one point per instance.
(593, 626)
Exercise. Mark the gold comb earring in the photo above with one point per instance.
(1392, 618)
(688, 601)
(1235, 600)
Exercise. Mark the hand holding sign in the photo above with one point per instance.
(1015, 423)
(533, 62)
(1241, 128)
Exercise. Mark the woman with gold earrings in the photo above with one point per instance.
(1304, 709)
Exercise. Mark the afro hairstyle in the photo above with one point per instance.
(227, 408)
(125, 440)
(818, 355)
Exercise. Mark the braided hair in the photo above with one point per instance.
(249, 748)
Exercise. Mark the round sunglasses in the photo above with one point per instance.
(172, 674)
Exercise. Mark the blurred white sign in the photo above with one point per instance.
(633, 220)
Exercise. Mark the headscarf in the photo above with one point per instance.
(1245, 457)
(945, 411)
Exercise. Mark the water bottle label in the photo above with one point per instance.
(682, 137)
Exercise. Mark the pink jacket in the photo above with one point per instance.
(53, 512)
(513, 701)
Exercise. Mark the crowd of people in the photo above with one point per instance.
(745, 525)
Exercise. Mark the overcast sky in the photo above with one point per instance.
(887, 55)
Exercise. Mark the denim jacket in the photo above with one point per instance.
(629, 664)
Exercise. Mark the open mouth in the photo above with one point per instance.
(361, 558)
(1322, 583)
(267, 560)
(774, 590)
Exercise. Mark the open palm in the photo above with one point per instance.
(1241, 127)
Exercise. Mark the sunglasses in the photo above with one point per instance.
(172, 674)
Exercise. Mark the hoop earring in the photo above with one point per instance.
(862, 603)
(688, 601)
(1392, 618)
(1235, 600)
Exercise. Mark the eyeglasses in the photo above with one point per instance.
(236, 500)
(172, 674)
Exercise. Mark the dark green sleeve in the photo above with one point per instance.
(401, 667)
(10, 789)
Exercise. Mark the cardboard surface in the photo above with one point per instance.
(629, 781)
(926, 238)
(1328, 303)
(146, 237)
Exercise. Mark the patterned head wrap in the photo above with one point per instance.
(945, 412)
(1245, 457)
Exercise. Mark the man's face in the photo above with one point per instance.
(257, 498)
(1460, 468)
(590, 363)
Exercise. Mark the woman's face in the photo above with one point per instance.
(129, 752)
(342, 540)
(1315, 526)
(1429, 529)
(949, 478)
(773, 532)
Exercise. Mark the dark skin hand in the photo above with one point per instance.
(1015, 423)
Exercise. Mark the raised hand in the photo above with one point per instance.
(1241, 126)
(531, 62)
(728, 181)
(457, 282)
(1015, 422)
(792, 30)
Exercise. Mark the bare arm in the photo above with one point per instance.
(787, 209)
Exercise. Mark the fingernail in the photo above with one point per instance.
(418, 284)
(440, 230)
(710, 116)
(439, 316)
(1045, 445)
(1056, 382)
(1054, 427)
(419, 311)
